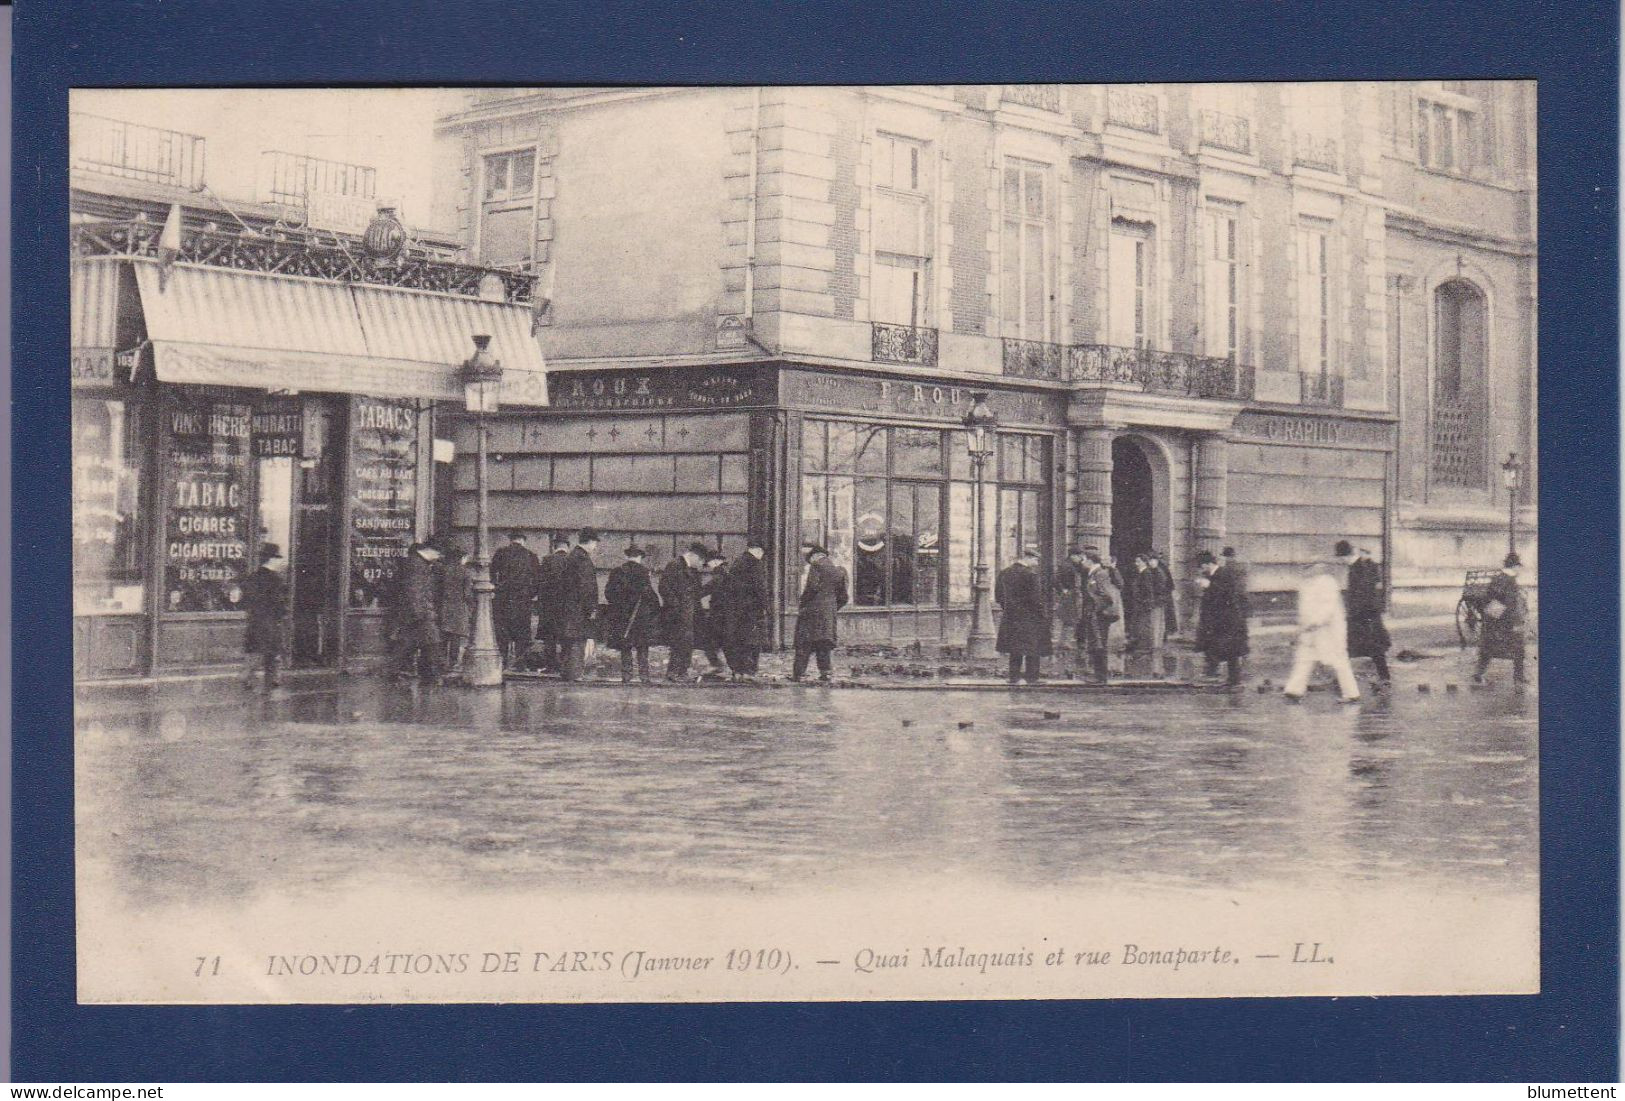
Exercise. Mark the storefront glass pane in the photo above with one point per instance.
(814, 508)
(917, 452)
(959, 465)
(900, 543)
(869, 559)
(838, 523)
(383, 512)
(927, 544)
(206, 522)
(959, 542)
(108, 549)
(1009, 527)
(275, 506)
(812, 444)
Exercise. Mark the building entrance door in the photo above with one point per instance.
(1133, 489)
(298, 511)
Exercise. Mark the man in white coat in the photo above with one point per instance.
(1322, 633)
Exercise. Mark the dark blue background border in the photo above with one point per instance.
(1566, 1033)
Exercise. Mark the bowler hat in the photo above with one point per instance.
(516, 535)
(1228, 552)
(587, 535)
(1511, 561)
(269, 551)
(700, 549)
(633, 551)
(755, 544)
(1343, 549)
(1206, 559)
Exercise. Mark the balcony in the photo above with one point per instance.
(1180, 373)
(1229, 132)
(1134, 109)
(1458, 442)
(1314, 151)
(902, 344)
(1043, 97)
(1033, 359)
(131, 152)
(291, 178)
(1320, 389)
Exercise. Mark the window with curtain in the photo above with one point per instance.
(900, 275)
(1025, 251)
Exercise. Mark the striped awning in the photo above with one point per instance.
(93, 319)
(242, 328)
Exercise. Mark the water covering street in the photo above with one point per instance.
(225, 794)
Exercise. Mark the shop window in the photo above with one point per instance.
(1459, 443)
(209, 529)
(383, 507)
(109, 555)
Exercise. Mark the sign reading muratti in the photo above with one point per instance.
(662, 388)
(902, 398)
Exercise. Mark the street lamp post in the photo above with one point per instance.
(980, 423)
(1511, 475)
(481, 376)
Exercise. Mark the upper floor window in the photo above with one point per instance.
(1317, 125)
(508, 209)
(1026, 251)
(1446, 136)
(1316, 290)
(1129, 283)
(901, 231)
(1223, 280)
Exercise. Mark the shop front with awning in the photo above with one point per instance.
(217, 411)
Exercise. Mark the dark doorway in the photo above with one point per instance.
(1131, 501)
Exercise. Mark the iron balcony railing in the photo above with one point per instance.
(1320, 389)
(902, 344)
(1222, 131)
(1034, 359)
(1182, 373)
(291, 178)
(295, 252)
(1134, 109)
(1314, 151)
(133, 152)
(1045, 97)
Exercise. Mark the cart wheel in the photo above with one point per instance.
(1467, 619)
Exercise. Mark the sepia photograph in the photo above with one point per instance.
(805, 543)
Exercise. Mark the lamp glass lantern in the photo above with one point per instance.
(980, 423)
(1511, 471)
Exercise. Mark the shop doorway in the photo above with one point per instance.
(1133, 501)
(298, 511)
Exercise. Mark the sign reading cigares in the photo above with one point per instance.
(383, 508)
(206, 514)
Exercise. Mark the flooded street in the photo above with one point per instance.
(226, 795)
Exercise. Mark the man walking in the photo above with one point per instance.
(1363, 598)
(1501, 631)
(633, 613)
(1024, 625)
(1099, 606)
(708, 617)
(824, 593)
(1322, 634)
(418, 649)
(265, 600)
(680, 604)
(1221, 633)
(576, 605)
(514, 570)
(456, 603)
(549, 576)
(744, 604)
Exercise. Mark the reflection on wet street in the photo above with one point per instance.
(226, 795)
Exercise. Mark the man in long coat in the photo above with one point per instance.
(1221, 633)
(633, 613)
(744, 606)
(456, 602)
(1024, 622)
(1500, 632)
(1363, 598)
(824, 593)
(1323, 637)
(418, 649)
(514, 571)
(549, 575)
(680, 601)
(265, 600)
(576, 604)
(1099, 606)
(712, 610)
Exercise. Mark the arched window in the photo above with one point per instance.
(1461, 331)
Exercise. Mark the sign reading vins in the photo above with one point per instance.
(383, 513)
(206, 516)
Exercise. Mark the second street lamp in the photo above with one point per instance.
(1511, 476)
(981, 424)
(481, 376)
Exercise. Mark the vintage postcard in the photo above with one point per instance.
(632, 544)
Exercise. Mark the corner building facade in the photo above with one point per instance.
(1263, 316)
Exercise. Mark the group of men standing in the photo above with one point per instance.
(545, 604)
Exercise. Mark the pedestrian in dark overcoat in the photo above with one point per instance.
(265, 600)
(1099, 606)
(577, 604)
(1170, 610)
(744, 606)
(632, 617)
(456, 603)
(824, 593)
(680, 603)
(418, 649)
(1153, 594)
(1024, 631)
(514, 572)
(1501, 629)
(708, 617)
(1363, 600)
(550, 574)
(1221, 632)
